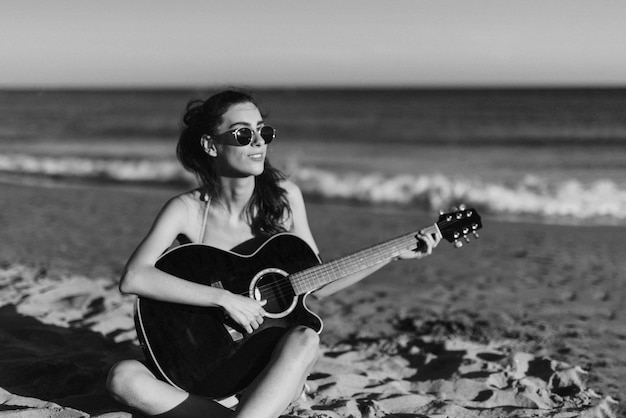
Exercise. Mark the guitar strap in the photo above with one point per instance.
(207, 199)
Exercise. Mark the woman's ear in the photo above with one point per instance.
(208, 145)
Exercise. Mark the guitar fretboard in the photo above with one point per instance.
(315, 277)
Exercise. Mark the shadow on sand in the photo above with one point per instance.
(67, 366)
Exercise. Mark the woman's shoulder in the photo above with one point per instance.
(177, 212)
(290, 187)
(294, 195)
(186, 201)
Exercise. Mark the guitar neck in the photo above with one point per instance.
(315, 277)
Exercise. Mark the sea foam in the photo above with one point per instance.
(118, 169)
(534, 198)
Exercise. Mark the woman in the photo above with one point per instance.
(242, 199)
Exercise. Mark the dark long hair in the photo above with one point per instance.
(268, 206)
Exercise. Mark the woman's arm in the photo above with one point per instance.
(299, 220)
(142, 278)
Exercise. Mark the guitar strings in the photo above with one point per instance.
(324, 273)
(353, 261)
(285, 287)
(350, 262)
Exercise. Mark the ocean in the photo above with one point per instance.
(539, 155)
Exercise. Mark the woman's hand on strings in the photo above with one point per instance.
(245, 311)
(426, 243)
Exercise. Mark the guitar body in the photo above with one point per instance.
(202, 351)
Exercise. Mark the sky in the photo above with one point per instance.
(275, 43)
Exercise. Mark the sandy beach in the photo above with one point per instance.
(529, 320)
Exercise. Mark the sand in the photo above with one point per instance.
(529, 320)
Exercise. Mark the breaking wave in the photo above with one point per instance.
(130, 169)
(532, 198)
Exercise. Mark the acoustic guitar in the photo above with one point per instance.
(203, 351)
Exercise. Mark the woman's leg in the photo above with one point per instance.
(281, 382)
(133, 384)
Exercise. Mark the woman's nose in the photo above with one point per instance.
(257, 139)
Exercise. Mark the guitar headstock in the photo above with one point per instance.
(459, 224)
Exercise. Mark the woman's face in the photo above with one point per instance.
(247, 160)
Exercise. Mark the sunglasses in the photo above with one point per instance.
(244, 135)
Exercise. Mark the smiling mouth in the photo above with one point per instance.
(258, 156)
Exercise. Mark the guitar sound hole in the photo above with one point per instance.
(276, 289)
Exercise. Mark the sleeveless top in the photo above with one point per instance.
(204, 196)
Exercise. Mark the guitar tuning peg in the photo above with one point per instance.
(458, 244)
(466, 238)
(441, 212)
(462, 206)
(475, 233)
